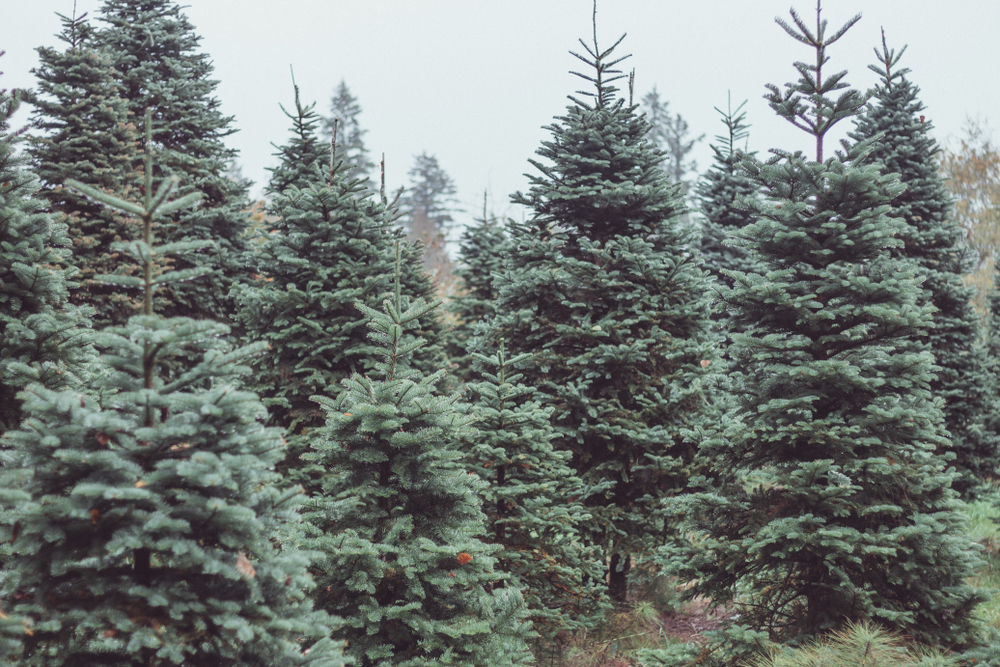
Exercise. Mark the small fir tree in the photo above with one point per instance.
(331, 247)
(43, 338)
(601, 289)
(831, 504)
(532, 501)
(484, 246)
(905, 146)
(721, 195)
(89, 136)
(155, 52)
(399, 520)
(350, 139)
(144, 533)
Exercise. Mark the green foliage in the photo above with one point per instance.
(602, 291)
(155, 53)
(533, 501)
(858, 645)
(142, 526)
(43, 339)
(933, 241)
(88, 135)
(484, 247)
(851, 516)
(331, 247)
(398, 519)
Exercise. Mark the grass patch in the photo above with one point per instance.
(983, 528)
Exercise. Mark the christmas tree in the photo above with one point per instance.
(721, 194)
(399, 520)
(483, 247)
(532, 501)
(830, 504)
(143, 525)
(602, 291)
(350, 139)
(905, 146)
(43, 339)
(331, 247)
(155, 52)
(89, 136)
(429, 205)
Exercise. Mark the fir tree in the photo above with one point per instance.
(399, 519)
(89, 136)
(350, 139)
(143, 531)
(601, 290)
(532, 501)
(429, 204)
(155, 52)
(721, 194)
(672, 134)
(43, 339)
(905, 146)
(331, 247)
(831, 505)
(483, 247)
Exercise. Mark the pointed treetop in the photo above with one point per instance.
(605, 72)
(805, 103)
(736, 126)
(888, 58)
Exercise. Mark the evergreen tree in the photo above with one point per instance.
(532, 501)
(721, 194)
(399, 519)
(350, 139)
(483, 247)
(831, 505)
(429, 204)
(143, 531)
(671, 134)
(155, 52)
(89, 136)
(905, 146)
(43, 339)
(331, 247)
(601, 290)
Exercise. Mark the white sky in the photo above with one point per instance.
(473, 81)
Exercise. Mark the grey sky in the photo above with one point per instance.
(473, 81)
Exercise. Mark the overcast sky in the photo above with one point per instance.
(474, 81)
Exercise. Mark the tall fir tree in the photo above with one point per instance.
(720, 194)
(483, 252)
(155, 52)
(672, 134)
(331, 246)
(399, 520)
(88, 135)
(602, 290)
(350, 139)
(429, 205)
(532, 500)
(934, 241)
(142, 531)
(830, 504)
(43, 338)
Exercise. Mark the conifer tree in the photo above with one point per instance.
(483, 247)
(429, 205)
(350, 139)
(905, 146)
(601, 290)
(155, 52)
(43, 338)
(831, 505)
(532, 501)
(720, 194)
(89, 136)
(399, 520)
(672, 134)
(142, 531)
(331, 247)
